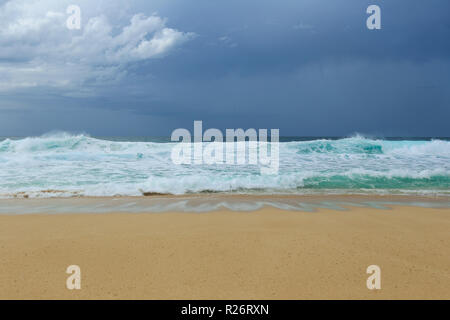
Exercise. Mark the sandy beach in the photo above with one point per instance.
(263, 254)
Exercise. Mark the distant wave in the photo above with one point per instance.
(79, 165)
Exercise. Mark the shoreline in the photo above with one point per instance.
(328, 193)
(263, 254)
(355, 195)
(213, 202)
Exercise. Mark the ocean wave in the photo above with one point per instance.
(80, 165)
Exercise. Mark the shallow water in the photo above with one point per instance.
(199, 204)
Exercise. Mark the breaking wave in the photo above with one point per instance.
(79, 165)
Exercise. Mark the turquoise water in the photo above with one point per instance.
(67, 165)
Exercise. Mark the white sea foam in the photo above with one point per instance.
(67, 165)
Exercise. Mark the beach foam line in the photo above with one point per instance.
(201, 204)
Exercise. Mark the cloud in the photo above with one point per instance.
(39, 50)
(227, 41)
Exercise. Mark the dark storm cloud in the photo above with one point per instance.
(306, 67)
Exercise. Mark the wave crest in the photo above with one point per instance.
(83, 165)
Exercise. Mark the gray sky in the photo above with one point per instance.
(309, 68)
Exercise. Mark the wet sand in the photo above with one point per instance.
(264, 254)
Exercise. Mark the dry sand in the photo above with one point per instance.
(266, 254)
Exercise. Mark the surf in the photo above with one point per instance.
(64, 165)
